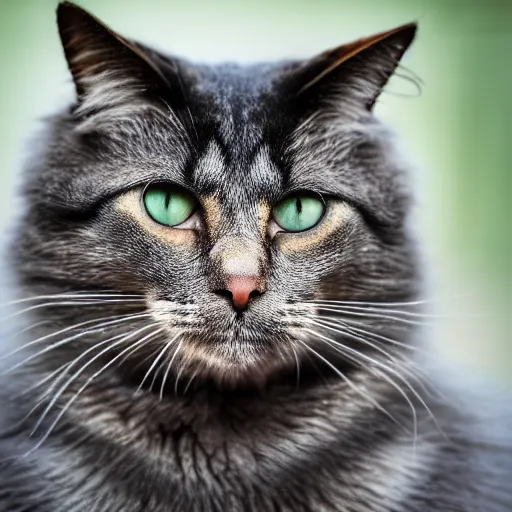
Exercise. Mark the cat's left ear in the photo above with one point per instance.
(356, 72)
(108, 70)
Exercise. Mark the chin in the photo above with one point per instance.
(233, 362)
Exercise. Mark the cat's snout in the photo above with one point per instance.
(241, 289)
(238, 270)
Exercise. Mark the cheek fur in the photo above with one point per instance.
(130, 204)
(338, 213)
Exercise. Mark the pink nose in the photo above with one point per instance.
(243, 289)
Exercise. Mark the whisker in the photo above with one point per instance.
(399, 362)
(411, 363)
(67, 303)
(390, 311)
(194, 375)
(374, 315)
(315, 366)
(66, 340)
(328, 325)
(133, 348)
(155, 362)
(391, 370)
(124, 337)
(139, 363)
(351, 324)
(28, 328)
(61, 331)
(39, 401)
(385, 303)
(297, 365)
(366, 322)
(43, 381)
(60, 296)
(429, 386)
(161, 367)
(396, 359)
(178, 375)
(168, 369)
(342, 349)
(347, 380)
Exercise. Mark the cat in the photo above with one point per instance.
(218, 298)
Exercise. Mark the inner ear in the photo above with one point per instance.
(357, 71)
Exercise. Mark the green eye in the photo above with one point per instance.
(168, 205)
(299, 213)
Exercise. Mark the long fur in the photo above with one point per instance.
(130, 383)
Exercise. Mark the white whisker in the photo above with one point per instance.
(75, 303)
(161, 366)
(81, 296)
(347, 380)
(297, 365)
(124, 337)
(43, 381)
(350, 325)
(194, 375)
(383, 310)
(426, 384)
(168, 369)
(373, 315)
(385, 303)
(328, 325)
(400, 363)
(155, 362)
(133, 348)
(342, 349)
(381, 365)
(65, 341)
(178, 375)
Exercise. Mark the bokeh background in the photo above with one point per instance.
(458, 132)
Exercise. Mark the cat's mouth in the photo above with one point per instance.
(230, 363)
(234, 354)
(221, 344)
(225, 361)
(231, 356)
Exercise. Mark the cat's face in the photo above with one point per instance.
(228, 199)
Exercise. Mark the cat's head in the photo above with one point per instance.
(229, 201)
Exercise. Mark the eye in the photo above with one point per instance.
(299, 212)
(168, 205)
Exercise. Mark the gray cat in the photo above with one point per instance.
(219, 303)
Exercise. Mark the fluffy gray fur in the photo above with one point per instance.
(130, 383)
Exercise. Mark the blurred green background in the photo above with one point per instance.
(458, 132)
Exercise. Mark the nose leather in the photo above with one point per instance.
(242, 289)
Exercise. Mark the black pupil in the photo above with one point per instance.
(167, 199)
(298, 205)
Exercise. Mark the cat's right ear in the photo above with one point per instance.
(108, 70)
